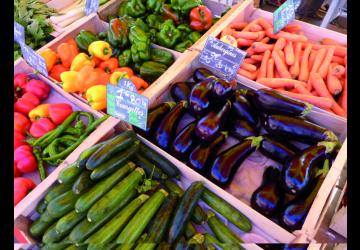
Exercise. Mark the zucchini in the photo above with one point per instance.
(68, 221)
(52, 236)
(83, 182)
(75, 247)
(46, 217)
(56, 190)
(96, 192)
(161, 56)
(137, 224)
(189, 231)
(61, 245)
(41, 206)
(110, 149)
(211, 240)
(70, 173)
(38, 227)
(114, 163)
(164, 246)
(226, 210)
(87, 153)
(150, 70)
(145, 246)
(184, 210)
(115, 196)
(149, 168)
(62, 204)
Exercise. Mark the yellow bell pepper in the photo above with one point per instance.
(80, 61)
(69, 81)
(40, 111)
(116, 76)
(96, 96)
(50, 58)
(100, 49)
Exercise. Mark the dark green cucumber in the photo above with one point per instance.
(125, 246)
(110, 149)
(39, 227)
(70, 173)
(164, 246)
(83, 182)
(198, 216)
(96, 192)
(57, 190)
(52, 236)
(149, 168)
(145, 246)
(87, 153)
(56, 246)
(184, 210)
(189, 231)
(68, 221)
(63, 204)
(164, 164)
(226, 210)
(115, 196)
(46, 217)
(41, 206)
(75, 247)
(115, 162)
(137, 224)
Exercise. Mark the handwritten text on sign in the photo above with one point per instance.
(91, 6)
(34, 59)
(285, 14)
(125, 103)
(19, 33)
(221, 58)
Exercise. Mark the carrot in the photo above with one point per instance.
(304, 65)
(314, 93)
(249, 25)
(318, 60)
(337, 69)
(265, 40)
(248, 67)
(337, 59)
(280, 44)
(292, 90)
(261, 35)
(282, 55)
(326, 62)
(138, 82)
(270, 68)
(276, 73)
(255, 28)
(249, 51)
(292, 28)
(289, 53)
(288, 36)
(264, 23)
(295, 68)
(259, 47)
(238, 25)
(263, 66)
(250, 60)
(226, 31)
(312, 57)
(257, 57)
(343, 98)
(241, 42)
(280, 65)
(245, 34)
(279, 82)
(321, 102)
(329, 41)
(302, 90)
(339, 50)
(333, 83)
(247, 74)
(281, 88)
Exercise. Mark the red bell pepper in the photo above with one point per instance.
(38, 88)
(26, 103)
(41, 126)
(57, 70)
(58, 112)
(109, 65)
(103, 77)
(17, 172)
(20, 82)
(21, 123)
(201, 18)
(22, 186)
(19, 139)
(24, 159)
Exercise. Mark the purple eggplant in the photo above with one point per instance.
(202, 155)
(209, 127)
(242, 129)
(243, 109)
(221, 90)
(275, 149)
(297, 129)
(181, 91)
(227, 162)
(184, 142)
(165, 131)
(199, 98)
(268, 198)
(202, 74)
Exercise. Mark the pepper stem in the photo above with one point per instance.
(106, 51)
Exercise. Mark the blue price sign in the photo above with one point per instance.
(19, 33)
(91, 6)
(125, 103)
(222, 58)
(34, 59)
(284, 15)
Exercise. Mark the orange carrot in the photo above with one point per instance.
(326, 62)
(288, 36)
(282, 55)
(289, 53)
(281, 88)
(280, 65)
(256, 27)
(248, 67)
(270, 68)
(318, 60)
(259, 47)
(337, 69)
(247, 74)
(245, 34)
(302, 90)
(257, 57)
(226, 31)
(279, 82)
(280, 44)
(263, 66)
(276, 72)
(321, 102)
(304, 65)
(338, 59)
(339, 50)
(241, 42)
(295, 68)
(333, 83)
(264, 23)
(314, 93)
(265, 40)
(329, 41)
(312, 57)
(249, 51)
(249, 25)
(343, 98)
(261, 35)
(292, 28)
(238, 25)
(250, 60)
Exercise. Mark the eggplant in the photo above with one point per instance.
(295, 247)
(165, 131)
(202, 74)
(298, 171)
(297, 129)
(181, 91)
(242, 129)
(275, 150)
(202, 155)
(227, 162)
(184, 142)
(199, 98)
(221, 90)
(243, 109)
(268, 198)
(272, 102)
(208, 127)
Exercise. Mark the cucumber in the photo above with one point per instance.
(96, 192)
(149, 168)
(226, 210)
(68, 221)
(189, 231)
(137, 224)
(56, 190)
(74, 247)
(164, 246)
(63, 204)
(41, 206)
(114, 163)
(85, 228)
(87, 153)
(211, 240)
(164, 164)
(161, 56)
(70, 173)
(111, 229)
(38, 227)
(46, 217)
(58, 245)
(146, 246)
(110, 149)
(198, 216)
(184, 210)
(82, 182)
(51, 235)
(115, 196)
(125, 246)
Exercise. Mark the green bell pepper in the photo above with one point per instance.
(154, 5)
(168, 35)
(84, 39)
(185, 31)
(137, 34)
(103, 35)
(161, 56)
(140, 44)
(122, 8)
(154, 21)
(184, 6)
(125, 58)
(194, 36)
(135, 8)
(153, 35)
(139, 22)
(181, 47)
(118, 32)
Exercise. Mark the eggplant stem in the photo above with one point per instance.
(323, 172)
(308, 109)
(255, 141)
(210, 214)
(329, 145)
(330, 136)
(197, 239)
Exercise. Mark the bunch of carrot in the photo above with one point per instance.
(288, 62)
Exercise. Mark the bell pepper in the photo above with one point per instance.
(69, 81)
(20, 82)
(21, 123)
(19, 139)
(194, 36)
(96, 96)
(100, 49)
(185, 30)
(102, 36)
(201, 18)
(140, 48)
(154, 5)
(153, 35)
(127, 70)
(168, 35)
(41, 126)
(38, 88)
(58, 112)
(22, 186)
(184, 6)
(72, 42)
(24, 159)
(84, 39)
(139, 82)
(57, 70)
(109, 65)
(170, 13)
(181, 47)
(116, 76)
(96, 61)
(50, 58)
(41, 111)
(118, 32)
(124, 58)
(154, 21)
(140, 23)
(67, 53)
(80, 61)
(17, 172)
(135, 8)
(103, 77)
(26, 103)
(87, 78)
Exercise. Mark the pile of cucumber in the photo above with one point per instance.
(120, 194)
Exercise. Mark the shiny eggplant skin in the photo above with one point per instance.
(275, 150)
(208, 127)
(165, 131)
(272, 102)
(199, 99)
(202, 74)
(202, 155)
(297, 129)
(221, 90)
(243, 109)
(241, 129)
(268, 198)
(184, 142)
(181, 91)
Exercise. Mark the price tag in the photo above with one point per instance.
(125, 103)
(91, 6)
(19, 33)
(285, 14)
(222, 58)
(34, 59)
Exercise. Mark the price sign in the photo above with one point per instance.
(34, 59)
(125, 103)
(285, 14)
(222, 58)
(91, 6)
(19, 33)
